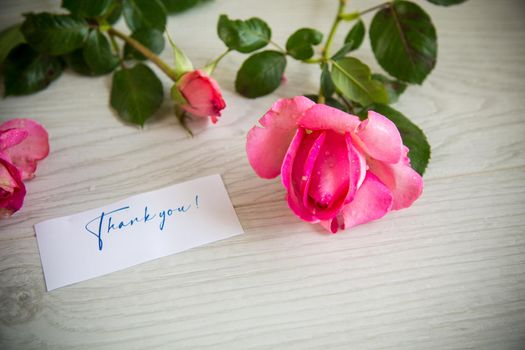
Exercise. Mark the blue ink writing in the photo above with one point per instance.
(100, 219)
(169, 212)
(107, 222)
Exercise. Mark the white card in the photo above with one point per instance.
(141, 228)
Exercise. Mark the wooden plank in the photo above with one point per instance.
(447, 273)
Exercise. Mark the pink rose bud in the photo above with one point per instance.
(337, 171)
(202, 93)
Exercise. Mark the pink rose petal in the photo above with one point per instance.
(321, 172)
(330, 177)
(372, 201)
(302, 171)
(323, 117)
(12, 189)
(331, 225)
(357, 167)
(29, 151)
(11, 137)
(267, 145)
(299, 160)
(380, 138)
(334, 177)
(404, 182)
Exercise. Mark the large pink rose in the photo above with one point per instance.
(23, 142)
(203, 95)
(337, 170)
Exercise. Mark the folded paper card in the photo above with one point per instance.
(138, 229)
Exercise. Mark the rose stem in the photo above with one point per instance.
(146, 52)
(326, 49)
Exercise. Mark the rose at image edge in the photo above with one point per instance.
(12, 188)
(337, 171)
(25, 153)
(23, 142)
(202, 94)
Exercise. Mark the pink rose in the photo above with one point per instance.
(12, 189)
(202, 93)
(23, 142)
(337, 170)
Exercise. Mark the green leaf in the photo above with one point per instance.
(75, 60)
(413, 137)
(10, 38)
(87, 8)
(327, 85)
(342, 51)
(244, 36)
(355, 36)
(176, 6)
(54, 34)
(329, 101)
(260, 74)
(404, 41)
(144, 14)
(98, 55)
(136, 93)
(114, 14)
(27, 71)
(394, 88)
(447, 2)
(150, 38)
(299, 44)
(352, 77)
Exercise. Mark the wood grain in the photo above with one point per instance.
(448, 273)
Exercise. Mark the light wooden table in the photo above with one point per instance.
(448, 273)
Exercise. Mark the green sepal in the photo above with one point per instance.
(182, 62)
(177, 96)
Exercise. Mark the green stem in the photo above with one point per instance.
(373, 8)
(313, 61)
(320, 97)
(277, 46)
(325, 53)
(114, 43)
(116, 48)
(347, 103)
(109, 11)
(326, 50)
(146, 52)
(210, 67)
